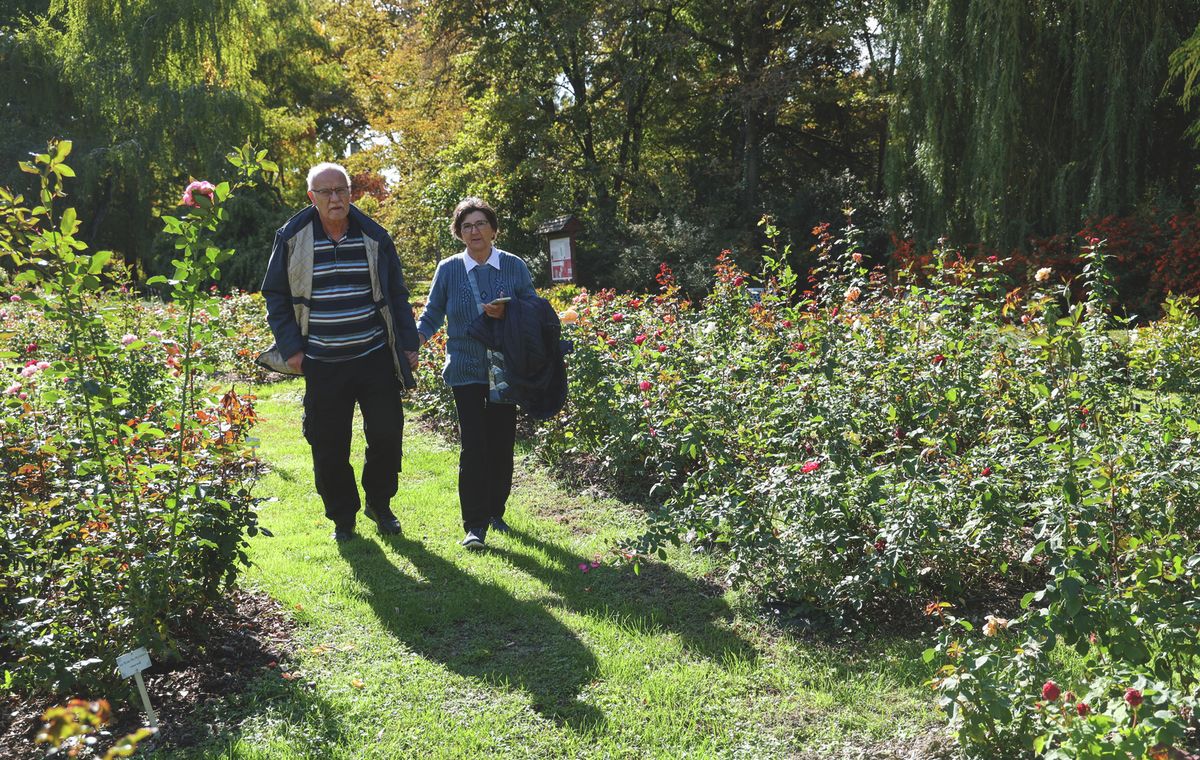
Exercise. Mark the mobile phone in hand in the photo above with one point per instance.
(500, 300)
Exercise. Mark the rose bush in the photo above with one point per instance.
(126, 489)
(856, 445)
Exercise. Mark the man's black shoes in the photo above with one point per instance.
(500, 526)
(387, 522)
(342, 534)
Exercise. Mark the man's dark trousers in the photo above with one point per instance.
(330, 391)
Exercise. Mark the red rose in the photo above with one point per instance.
(640, 339)
(986, 471)
(1084, 709)
(1050, 691)
(737, 281)
(880, 545)
(645, 385)
(618, 317)
(938, 359)
(662, 347)
(1133, 697)
(811, 466)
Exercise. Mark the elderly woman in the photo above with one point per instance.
(478, 280)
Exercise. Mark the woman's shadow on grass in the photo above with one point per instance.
(446, 613)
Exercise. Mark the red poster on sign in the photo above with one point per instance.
(561, 266)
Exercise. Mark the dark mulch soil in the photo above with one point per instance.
(229, 649)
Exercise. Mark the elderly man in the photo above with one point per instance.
(338, 308)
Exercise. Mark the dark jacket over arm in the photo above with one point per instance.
(529, 336)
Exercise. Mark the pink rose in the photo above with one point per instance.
(128, 338)
(15, 298)
(1133, 697)
(13, 389)
(640, 339)
(618, 317)
(645, 385)
(811, 466)
(204, 188)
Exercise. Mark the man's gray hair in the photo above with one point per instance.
(326, 166)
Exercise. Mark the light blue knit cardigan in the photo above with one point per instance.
(451, 300)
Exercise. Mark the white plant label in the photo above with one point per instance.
(132, 664)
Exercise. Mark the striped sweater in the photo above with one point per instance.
(343, 323)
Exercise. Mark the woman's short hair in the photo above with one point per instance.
(325, 166)
(467, 206)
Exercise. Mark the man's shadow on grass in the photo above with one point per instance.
(478, 629)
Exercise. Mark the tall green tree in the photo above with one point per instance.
(152, 91)
(1024, 116)
(670, 126)
(783, 73)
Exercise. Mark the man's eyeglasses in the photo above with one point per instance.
(329, 192)
(480, 226)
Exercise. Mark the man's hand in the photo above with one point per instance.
(494, 310)
(296, 362)
(414, 359)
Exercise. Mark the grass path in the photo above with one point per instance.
(411, 647)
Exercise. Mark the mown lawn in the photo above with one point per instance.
(410, 647)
